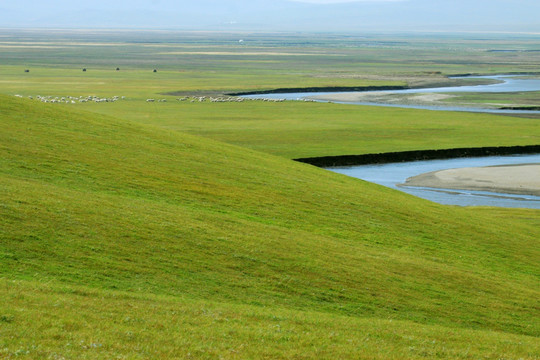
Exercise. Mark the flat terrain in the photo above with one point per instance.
(518, 100)
(384, 97)
(512, 179)
(288, 129)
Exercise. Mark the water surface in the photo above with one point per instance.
(392, 174)
(396, 173)
(507, 83)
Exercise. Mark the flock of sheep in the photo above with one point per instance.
(74, 99)
(97, 99)
(214, 99)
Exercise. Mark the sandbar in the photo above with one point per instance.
(385, 97)
(509, 179)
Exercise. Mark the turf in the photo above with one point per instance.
(297, 129)
(172, 230)
(128, 240)
(531, 98)
(289, 129)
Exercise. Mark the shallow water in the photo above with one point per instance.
(396, 173)
(508, 83)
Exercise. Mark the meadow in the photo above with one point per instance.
(520, 99)
(193, 64)
(183, 230)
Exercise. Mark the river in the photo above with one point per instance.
(506, 83)
(396, 173)
(392, 174)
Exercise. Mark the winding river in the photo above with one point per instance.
(505, 83)
(392, 174)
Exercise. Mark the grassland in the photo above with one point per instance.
(99, 203)
(522, 99)
(218, 62)
(192, 63)
(297, 129)
(290, 129)
(124, 236)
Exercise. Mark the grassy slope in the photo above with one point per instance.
(74, 323)
(290, 129)
(298, 129)
(174, 219)
(191, 63)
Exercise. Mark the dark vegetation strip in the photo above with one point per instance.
(321, 89)
(524, 108)
(416, 155)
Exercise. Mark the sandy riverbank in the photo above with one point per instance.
(385, 97)
(511, 179)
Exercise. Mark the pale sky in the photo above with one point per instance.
(341, 1)
(277, 15)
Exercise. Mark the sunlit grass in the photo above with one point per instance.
(114, 207)
(77, 322)
(123, 235)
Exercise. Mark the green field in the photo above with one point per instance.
(500, 100)
(135, 230)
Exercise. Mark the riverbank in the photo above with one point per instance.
(321, 89)
(511, 179)
(417, 155)
(385, 97)
(373, 92)
(454, 94)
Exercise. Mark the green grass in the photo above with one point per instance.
(291, 130)
(147, 326)
(122, 239)
(297, 129)
(132, 230)
(531, 98)
(142, 84)
(194, 62)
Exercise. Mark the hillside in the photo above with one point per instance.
(148, 243)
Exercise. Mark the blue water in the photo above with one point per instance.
(507, 83)
(396, 173)
(392, 174)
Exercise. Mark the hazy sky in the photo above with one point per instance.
(339, 1)
(278, 15)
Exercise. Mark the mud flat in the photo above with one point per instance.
(509, 179)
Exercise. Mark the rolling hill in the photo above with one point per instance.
(130, 241)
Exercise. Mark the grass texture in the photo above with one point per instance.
(126, 240)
